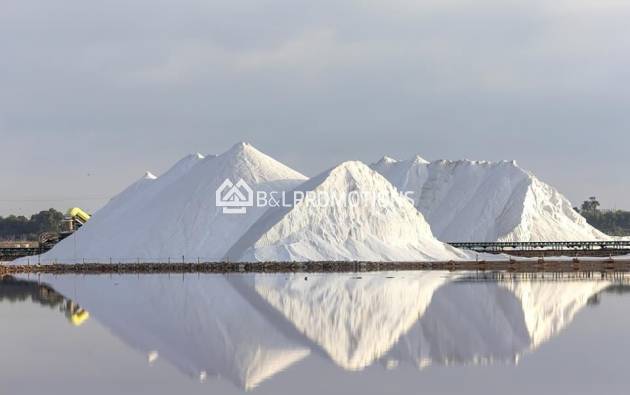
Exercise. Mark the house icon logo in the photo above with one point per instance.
(234, 198)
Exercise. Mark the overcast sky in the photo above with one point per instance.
(93, 93)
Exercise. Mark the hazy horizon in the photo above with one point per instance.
(94, 94)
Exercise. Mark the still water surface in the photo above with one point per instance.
(370, 333)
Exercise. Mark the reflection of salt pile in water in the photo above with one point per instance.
(247, 328)
(379, 225)
(201, 326)
(465, 324)
(354, 321)
(487, 201)
(488, 322)
(175, 215)
(549, 307)
(425, 318)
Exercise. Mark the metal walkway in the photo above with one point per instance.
(567, 246)
(11, 253)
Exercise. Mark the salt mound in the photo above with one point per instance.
(487, 201)
(392, 230)
(137, 193)
(176, 215)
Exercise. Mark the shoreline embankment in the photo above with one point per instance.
(531, 265)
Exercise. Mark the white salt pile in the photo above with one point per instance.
(486, 201)
(176, 214)
(381, 226)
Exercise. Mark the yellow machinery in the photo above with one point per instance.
(79, 215)
(74, 219)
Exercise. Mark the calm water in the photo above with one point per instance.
(377, 333)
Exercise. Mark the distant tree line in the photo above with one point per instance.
(612, 222)
(22, 228)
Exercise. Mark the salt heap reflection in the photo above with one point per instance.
(247, 328)
(354, 320)
(480, 323)
(202, 325)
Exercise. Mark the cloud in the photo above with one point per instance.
(306, 53)
(443, 77)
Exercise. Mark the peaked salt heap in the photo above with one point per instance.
(135, 195)
(487, 201)
(382, 227)
(176, 214)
